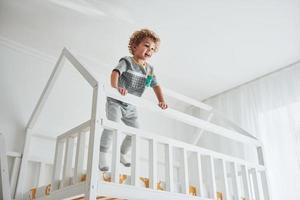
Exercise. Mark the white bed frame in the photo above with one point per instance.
(253, 174)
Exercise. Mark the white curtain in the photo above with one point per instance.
(269, 108)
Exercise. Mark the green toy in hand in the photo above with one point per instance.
(149, 80)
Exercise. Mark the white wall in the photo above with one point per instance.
(23, 76)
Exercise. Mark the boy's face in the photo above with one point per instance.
(145, 49)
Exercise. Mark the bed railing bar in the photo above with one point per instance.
(213, 177)
(169, 168)
(236, 187)
(186, 99)
(153, 163)
(80, 150)
(68, 161)
(201, 131)
(115, 157)
(188, 119)
(200, 183)
(233, 125)
(74, 131)
(224, 174)
(148, 135)
(58, 162)
(264, 183)
(263, 174)
(135, 160)
(250, 181)
(185, 184)
(256, 186)
(246, 181)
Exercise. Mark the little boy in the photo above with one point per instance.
(131, 76)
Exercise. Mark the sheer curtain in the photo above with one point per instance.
(269, 108)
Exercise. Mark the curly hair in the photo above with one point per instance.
(138, 36)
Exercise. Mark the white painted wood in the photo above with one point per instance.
(265, 188)
(135, 160)
(198, 137)
(116, 157)
(153, 163)
(44, 96)
(260, 155)
(74, 131)
(169, 168)
(41, 174)
(246, 182)
(211, 166)
(58, 162)
(187, 100)
(208, 172)
(149, 135)
(264, 174)
(224, 174)
(185, 185)
(117, 191)
(200, 176)
(14, 154)
(67, 192)
(250, 183)
(69, 152)
(236, 187)
(139, 193)
(80, 149)
(256, 186)
(98, 107)
(4, 182)
(24, 163)
(174, 114)
(233, 126)
(14, 175)
(80, 68)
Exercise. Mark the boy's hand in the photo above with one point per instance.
(163, 105)
(122, 91)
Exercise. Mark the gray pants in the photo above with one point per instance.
(116, 111)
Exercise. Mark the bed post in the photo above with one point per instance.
(98, 113)
(4, 177)
(264, 174)
(23, 166)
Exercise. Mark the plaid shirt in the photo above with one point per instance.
(133, 76)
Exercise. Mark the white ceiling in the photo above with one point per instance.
(207, 46)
